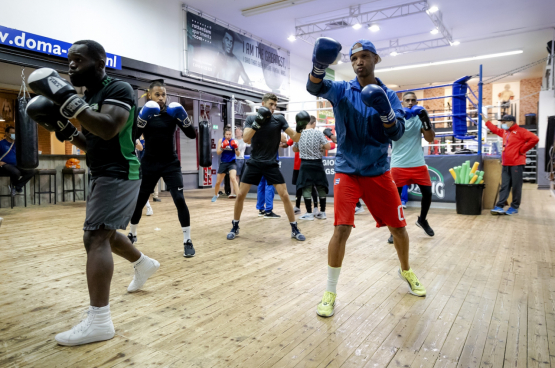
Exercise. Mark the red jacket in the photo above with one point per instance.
(516, 142)
(297, 165)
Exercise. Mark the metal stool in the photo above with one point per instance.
(12, 197)
(50, 173)
(73, 172)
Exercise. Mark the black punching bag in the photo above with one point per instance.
(26, 137)
(204, 144)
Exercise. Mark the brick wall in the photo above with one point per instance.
(529, 105)
(435, 106)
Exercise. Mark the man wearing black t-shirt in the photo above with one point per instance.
(158, 122)
(263, 132)
(107, 117)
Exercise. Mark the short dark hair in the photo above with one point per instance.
(8, 128)
(269, 96)
(408, 93)
(157, 83)
(312, 119)
(94, 49)
(227, 128)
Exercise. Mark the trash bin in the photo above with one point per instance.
(469, 198)
(530, 119)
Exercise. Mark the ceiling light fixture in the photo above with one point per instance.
(455, 43)
(374, 28)
(434, 31)
(357, 26)
(394, 53)
(433, 9)
(339, 62)
(452, 61)
(269, 7)
(292, 38)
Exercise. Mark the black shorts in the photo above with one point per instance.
(295, 176)
(225, 167)
(255, 170)
(171, 173)
(312, 173)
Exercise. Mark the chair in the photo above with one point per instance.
(73, 172)
(50, 173)
(12, 197)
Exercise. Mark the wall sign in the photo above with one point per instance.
(219, 52)
(32, 42)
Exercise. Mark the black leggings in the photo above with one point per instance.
(178, 200)
(299, 196)
(426, 191)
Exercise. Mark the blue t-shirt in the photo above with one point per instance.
(407, 151)
(228, 153)
(362, 140)
(10, 157)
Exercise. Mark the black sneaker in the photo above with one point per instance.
(271, 215)
(156, 199)
(296, 233)
(390, 239)
(423, 224)
(261, 213)
(234, 231)
(189, 250)
(132, 238)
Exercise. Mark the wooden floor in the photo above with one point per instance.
(251, 302)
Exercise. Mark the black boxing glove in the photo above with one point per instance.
(327, 132)
(423, 115)
(46, 113)
(48, 83)
(302, 119)
(264, 115)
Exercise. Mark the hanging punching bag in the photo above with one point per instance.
(26, 137)
(204, 146)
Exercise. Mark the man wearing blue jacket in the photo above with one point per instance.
(368, 115)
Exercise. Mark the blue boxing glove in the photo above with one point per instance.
(326, 52)
(423, 115)
(150, 109)
(374, 96)
(408, 113)
(175, 110)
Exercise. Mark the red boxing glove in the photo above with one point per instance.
(290, 142)
(225, 143)
(233, 144)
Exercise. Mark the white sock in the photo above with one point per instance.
(133, 229)
(137, 262)
(148, 203)
(186, 233)
(333, 278)
(100, 309)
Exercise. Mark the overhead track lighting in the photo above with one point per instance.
(292, 38)
(357, 26)
(452, 61)
(434, 31)
(269, 7)
(433, 9)
(374, 28)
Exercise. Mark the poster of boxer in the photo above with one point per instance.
(221, 53)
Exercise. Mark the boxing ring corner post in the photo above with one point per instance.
(480, 85)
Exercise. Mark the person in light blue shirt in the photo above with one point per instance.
(407, 158)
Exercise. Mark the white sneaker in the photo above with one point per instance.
(149, 211)
(307, 216)
(97, 326)
(316, 211)
(297, 210)
(143, 271)
(359, 210)
(321, 216)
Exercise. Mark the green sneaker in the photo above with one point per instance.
(326, 306)
(415, 287)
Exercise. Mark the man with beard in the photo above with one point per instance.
(229, 68)
(158, 122)
(368, 116)
(107, 116)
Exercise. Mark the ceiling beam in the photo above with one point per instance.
(356, 17)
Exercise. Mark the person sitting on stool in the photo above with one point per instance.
(516, 142)
(8, 163)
